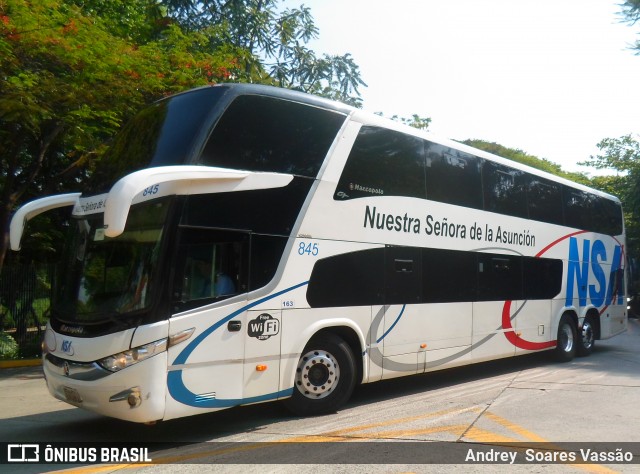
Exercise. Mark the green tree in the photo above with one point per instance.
(415, 121)
(275, 42)
(525, 158)
(631, 14)
(69, 80)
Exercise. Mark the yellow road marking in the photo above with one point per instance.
(515, 428)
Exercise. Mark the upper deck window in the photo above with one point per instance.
(453, 176)
(505, 189)
(259, 133)
(383, 162)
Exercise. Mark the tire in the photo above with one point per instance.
(587, 337)
(567, 342)
(325, 377)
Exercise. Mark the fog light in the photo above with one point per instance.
(132, 396)
(134, 400)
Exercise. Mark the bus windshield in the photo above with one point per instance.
(106, 277)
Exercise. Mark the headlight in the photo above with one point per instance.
(125, 359)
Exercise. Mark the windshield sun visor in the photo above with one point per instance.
(34, 208)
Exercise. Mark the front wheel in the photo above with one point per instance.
(567, 340)
(325, 377)
(587, 338)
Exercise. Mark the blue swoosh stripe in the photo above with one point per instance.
(393, 325)
(182, 394)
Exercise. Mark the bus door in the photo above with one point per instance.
(262, 353)
(211, 268)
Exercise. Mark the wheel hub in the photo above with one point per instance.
(587, 334)
(317, 374)
(567, 338)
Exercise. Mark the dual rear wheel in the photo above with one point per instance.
(571, 341)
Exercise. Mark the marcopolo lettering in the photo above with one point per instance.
(594, 261)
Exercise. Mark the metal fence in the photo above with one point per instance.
(25, 296)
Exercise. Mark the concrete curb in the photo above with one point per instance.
(14, 364)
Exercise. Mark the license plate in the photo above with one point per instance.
(72, 395)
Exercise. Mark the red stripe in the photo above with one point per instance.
(544, 250)
(514, 339)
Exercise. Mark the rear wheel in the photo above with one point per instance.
(325, 377)
(567, 339)
(587, 338)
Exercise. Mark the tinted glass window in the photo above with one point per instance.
(499, 277)
(505, 190)
(166, 133)
(428, 275)
(211, 265)
(578, 208)
(266, 252)
(542, 278)
(449, 276)
(607, 216)
(266, 211)
(383, 162)
(351, 279)
(453, 176)
(260, 133)
(545, 201)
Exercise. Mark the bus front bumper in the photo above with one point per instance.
(136, 393)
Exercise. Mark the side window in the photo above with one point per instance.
(449, 276)
(505, 190)
(350, 279)
(607, 216)
(266, 253)
(409, 275)
(211, 265)
(545, 201)
(385, 163)
(499, 277)
(260, 133)
(453, 176)
(252, 210)
(578, 208)
(542, 278)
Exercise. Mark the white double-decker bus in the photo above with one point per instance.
(241, 244)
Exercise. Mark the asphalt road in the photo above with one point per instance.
(482, 408)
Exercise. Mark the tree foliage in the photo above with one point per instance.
(275, 42)
(525, 158)
(631, 14)
(70, 79)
